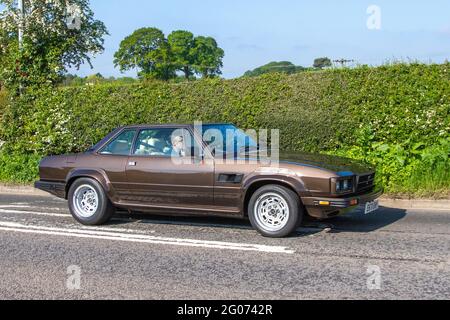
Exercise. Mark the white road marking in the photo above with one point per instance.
(111, 229)
(34, 213)
(147, 221)
(15, 206)
(139, 238)
(21, 206)
(75, 227)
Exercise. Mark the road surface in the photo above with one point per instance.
(390, 254)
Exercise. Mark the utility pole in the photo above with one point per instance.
(21, 16)
(343, 62)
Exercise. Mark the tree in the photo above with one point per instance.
(207, 57)
(154, 56)
(71, 80)
(272, 67)
(58, 34)
(146, 49)
(4, 43)
(95, 79)
(181, 45)
(321, 63)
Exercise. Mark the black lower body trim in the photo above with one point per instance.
(55, 188)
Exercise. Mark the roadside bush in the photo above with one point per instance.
(19, 168)
(3, 102)
(394, 116)
(405, 169)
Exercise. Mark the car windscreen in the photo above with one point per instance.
(103, 141)
(227, 138)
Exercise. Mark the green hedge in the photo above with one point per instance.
(19, 168)
(3, 103)
(393, 116)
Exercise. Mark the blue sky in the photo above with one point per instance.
(255, 32)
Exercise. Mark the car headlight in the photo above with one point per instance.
(344, 185)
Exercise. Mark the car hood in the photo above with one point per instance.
(332, 163)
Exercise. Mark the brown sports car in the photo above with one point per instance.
(183, 170)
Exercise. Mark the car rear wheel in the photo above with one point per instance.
(275, 211)
(88, 202)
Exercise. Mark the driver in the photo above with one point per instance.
(178, 147)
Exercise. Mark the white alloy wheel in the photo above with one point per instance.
(86, 201)
(271, 212)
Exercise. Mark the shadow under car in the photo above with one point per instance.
(355, 221)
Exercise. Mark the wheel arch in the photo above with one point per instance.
(252, 186)
(95, 174)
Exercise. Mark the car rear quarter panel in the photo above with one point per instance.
(53, 169)
(100, 168)
(97, 174)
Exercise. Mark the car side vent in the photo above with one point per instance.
(230, 178)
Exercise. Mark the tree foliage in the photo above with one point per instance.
(57, 35)
(321, 63)
(146, 49)
(156, 57)
(182, 44)
(5, 39)
(70, 80)
(273, 67)
(208, 57)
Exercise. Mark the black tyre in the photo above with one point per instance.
(88, 202)
(275, 211)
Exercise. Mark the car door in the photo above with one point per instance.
(112, 159)
(161, 176)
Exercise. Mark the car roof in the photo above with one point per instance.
(137, 126)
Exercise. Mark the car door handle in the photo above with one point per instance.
(132, 163)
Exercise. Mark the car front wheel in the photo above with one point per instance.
(88, 202)
(275, 211)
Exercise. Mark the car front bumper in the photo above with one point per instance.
(56, 188)
(322, 208)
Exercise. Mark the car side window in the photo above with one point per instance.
(164, 142)
(121, 145)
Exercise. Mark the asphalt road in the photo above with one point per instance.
(390, 254)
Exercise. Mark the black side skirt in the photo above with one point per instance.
(55, 188)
